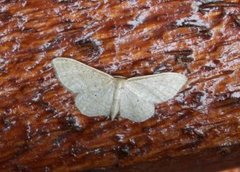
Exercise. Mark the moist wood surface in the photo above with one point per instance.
(42, 130)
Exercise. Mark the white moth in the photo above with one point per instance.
(98, 93)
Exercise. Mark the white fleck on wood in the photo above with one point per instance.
(101, 94)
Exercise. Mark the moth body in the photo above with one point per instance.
(119, 85)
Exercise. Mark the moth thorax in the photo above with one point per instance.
(120, 82)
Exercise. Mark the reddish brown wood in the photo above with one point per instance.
(41, 129)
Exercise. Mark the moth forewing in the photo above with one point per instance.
(157, 88)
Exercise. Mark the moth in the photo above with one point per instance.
(98, 93)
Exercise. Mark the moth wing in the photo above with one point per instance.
(77, 77)
(135, 108)
(141, 93)
(94, 88)
(95, 103)
(157, 88)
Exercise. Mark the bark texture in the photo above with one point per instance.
(42, 130)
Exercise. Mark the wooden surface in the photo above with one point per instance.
(42, 130)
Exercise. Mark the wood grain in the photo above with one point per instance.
(42, 130)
